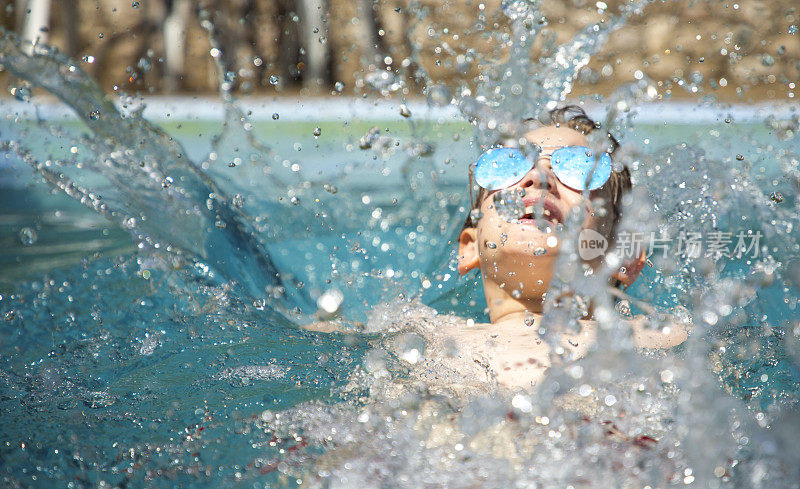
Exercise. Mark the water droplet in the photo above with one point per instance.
(88, 58)
(27, 236)
(135, 4)
(322, 39)
(23, 94)
(167, 182)
(317, 132)
(412, 347)
(369, 138)
(276, 116)
(220, 224)
(767, 60)
(416, 148)
(238, 201)
(522, 402)
(475, 216)
(94, 115)
(295, 201)
(539, 251)
(509, 205)
(781, 50)
(330, 301)
(100, 35)
(438, 95)
(338, 86)
(776, 197)
(740, 157)
(330, 188)
(516, 293)
(375, 363)
(274, 79)
(793, 29)
(623, 307)
(144, 64)
(404, 111)
(491, 245)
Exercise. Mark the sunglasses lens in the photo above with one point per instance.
(500, 168)
(573, 165)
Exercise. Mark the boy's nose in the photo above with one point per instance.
(540, 176)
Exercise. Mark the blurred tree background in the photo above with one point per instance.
(747, 50)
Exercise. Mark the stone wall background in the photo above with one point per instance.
(744, 50)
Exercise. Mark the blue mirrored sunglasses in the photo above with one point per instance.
(575, 166)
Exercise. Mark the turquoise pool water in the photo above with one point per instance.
(122, 368)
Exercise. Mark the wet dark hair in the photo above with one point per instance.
(575, 118)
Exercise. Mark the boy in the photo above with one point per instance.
(517, 258)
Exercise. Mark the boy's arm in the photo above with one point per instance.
(323, 327)
(669, 335)
(336, 325)
(672, 332)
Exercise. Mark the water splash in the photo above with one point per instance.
(210, 386)
(149, 177)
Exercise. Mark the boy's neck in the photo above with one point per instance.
(505, 309)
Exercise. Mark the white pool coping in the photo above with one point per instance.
(182, 108)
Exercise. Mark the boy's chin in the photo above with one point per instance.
(532, 246)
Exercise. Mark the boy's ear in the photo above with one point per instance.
(632, 270)
(468, 257)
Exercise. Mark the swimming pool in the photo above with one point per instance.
(173, 359)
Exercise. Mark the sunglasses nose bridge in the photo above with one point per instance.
(543, 162)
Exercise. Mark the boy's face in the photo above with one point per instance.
(510, 253)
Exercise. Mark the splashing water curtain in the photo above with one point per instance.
(289, 312)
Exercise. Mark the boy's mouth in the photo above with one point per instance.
(549, 212)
